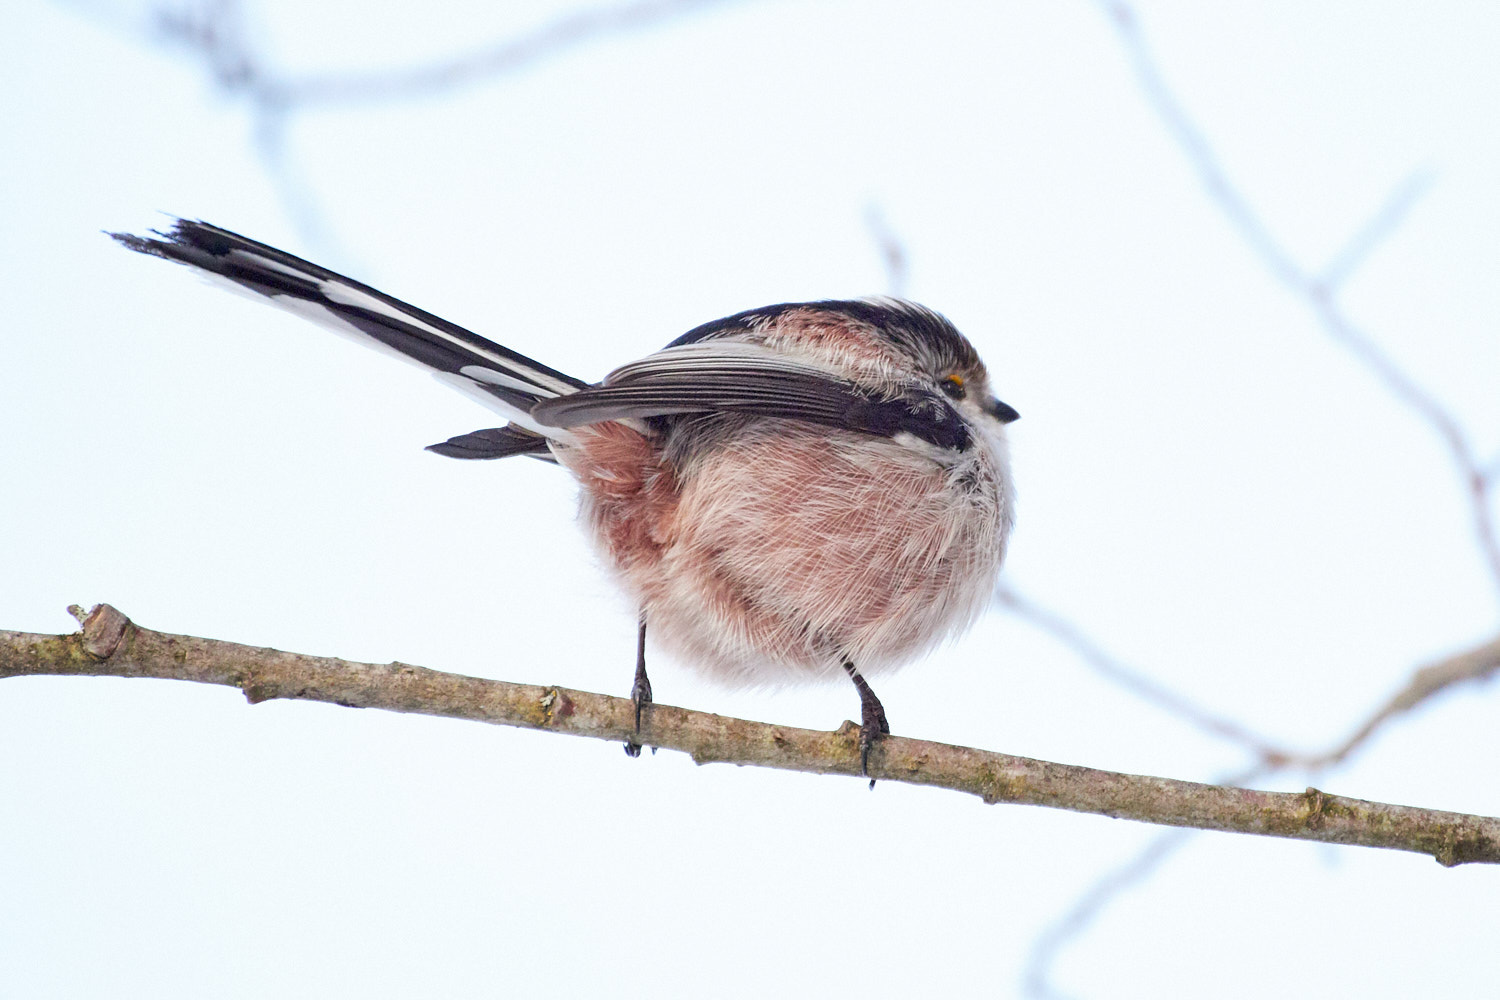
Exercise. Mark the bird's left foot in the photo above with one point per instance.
(872, 719)
(872, 727)
(640, 691)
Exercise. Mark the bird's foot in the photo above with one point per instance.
(872, 727)
(640, 693)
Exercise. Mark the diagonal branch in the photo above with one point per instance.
(892, 251)
(1474, 665)
(1136, 682)
(217, 34)
(1383, 223)
(1036, 980)
(110, 645)
(1316, 292)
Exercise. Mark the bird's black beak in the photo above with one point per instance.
(1002, 411)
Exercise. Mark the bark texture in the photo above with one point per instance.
(110, 645)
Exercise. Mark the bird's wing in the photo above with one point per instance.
(736, 377)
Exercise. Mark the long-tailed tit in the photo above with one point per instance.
(790, 493)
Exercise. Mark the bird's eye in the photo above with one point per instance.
(952, 386)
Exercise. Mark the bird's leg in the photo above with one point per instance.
(640, 691)
(872, 721)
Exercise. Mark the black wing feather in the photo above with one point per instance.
(494, 442)
(687, 380)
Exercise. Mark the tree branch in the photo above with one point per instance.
(216, 32)
(1132, 680)
(1318, 293)
(110, 645)
(892, 251)
(1087, 908)
(1474, 665)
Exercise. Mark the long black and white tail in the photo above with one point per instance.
(496, 376)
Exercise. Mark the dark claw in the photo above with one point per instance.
(872, 719)
(872, 727)
(640, 691)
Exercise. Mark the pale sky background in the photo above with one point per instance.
(1210, 487)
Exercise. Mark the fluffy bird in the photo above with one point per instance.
(800, 491)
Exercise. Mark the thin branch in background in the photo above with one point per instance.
(1042, 956)
(1386, 220)
(1401, 386)
(1490, 472)
(216, 32)
(1316, 292)
(892, 251)
(298, 195)
(1476, 665)
(1196, 147)
(502, 58)
(1479, 663)
(1135, 681)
